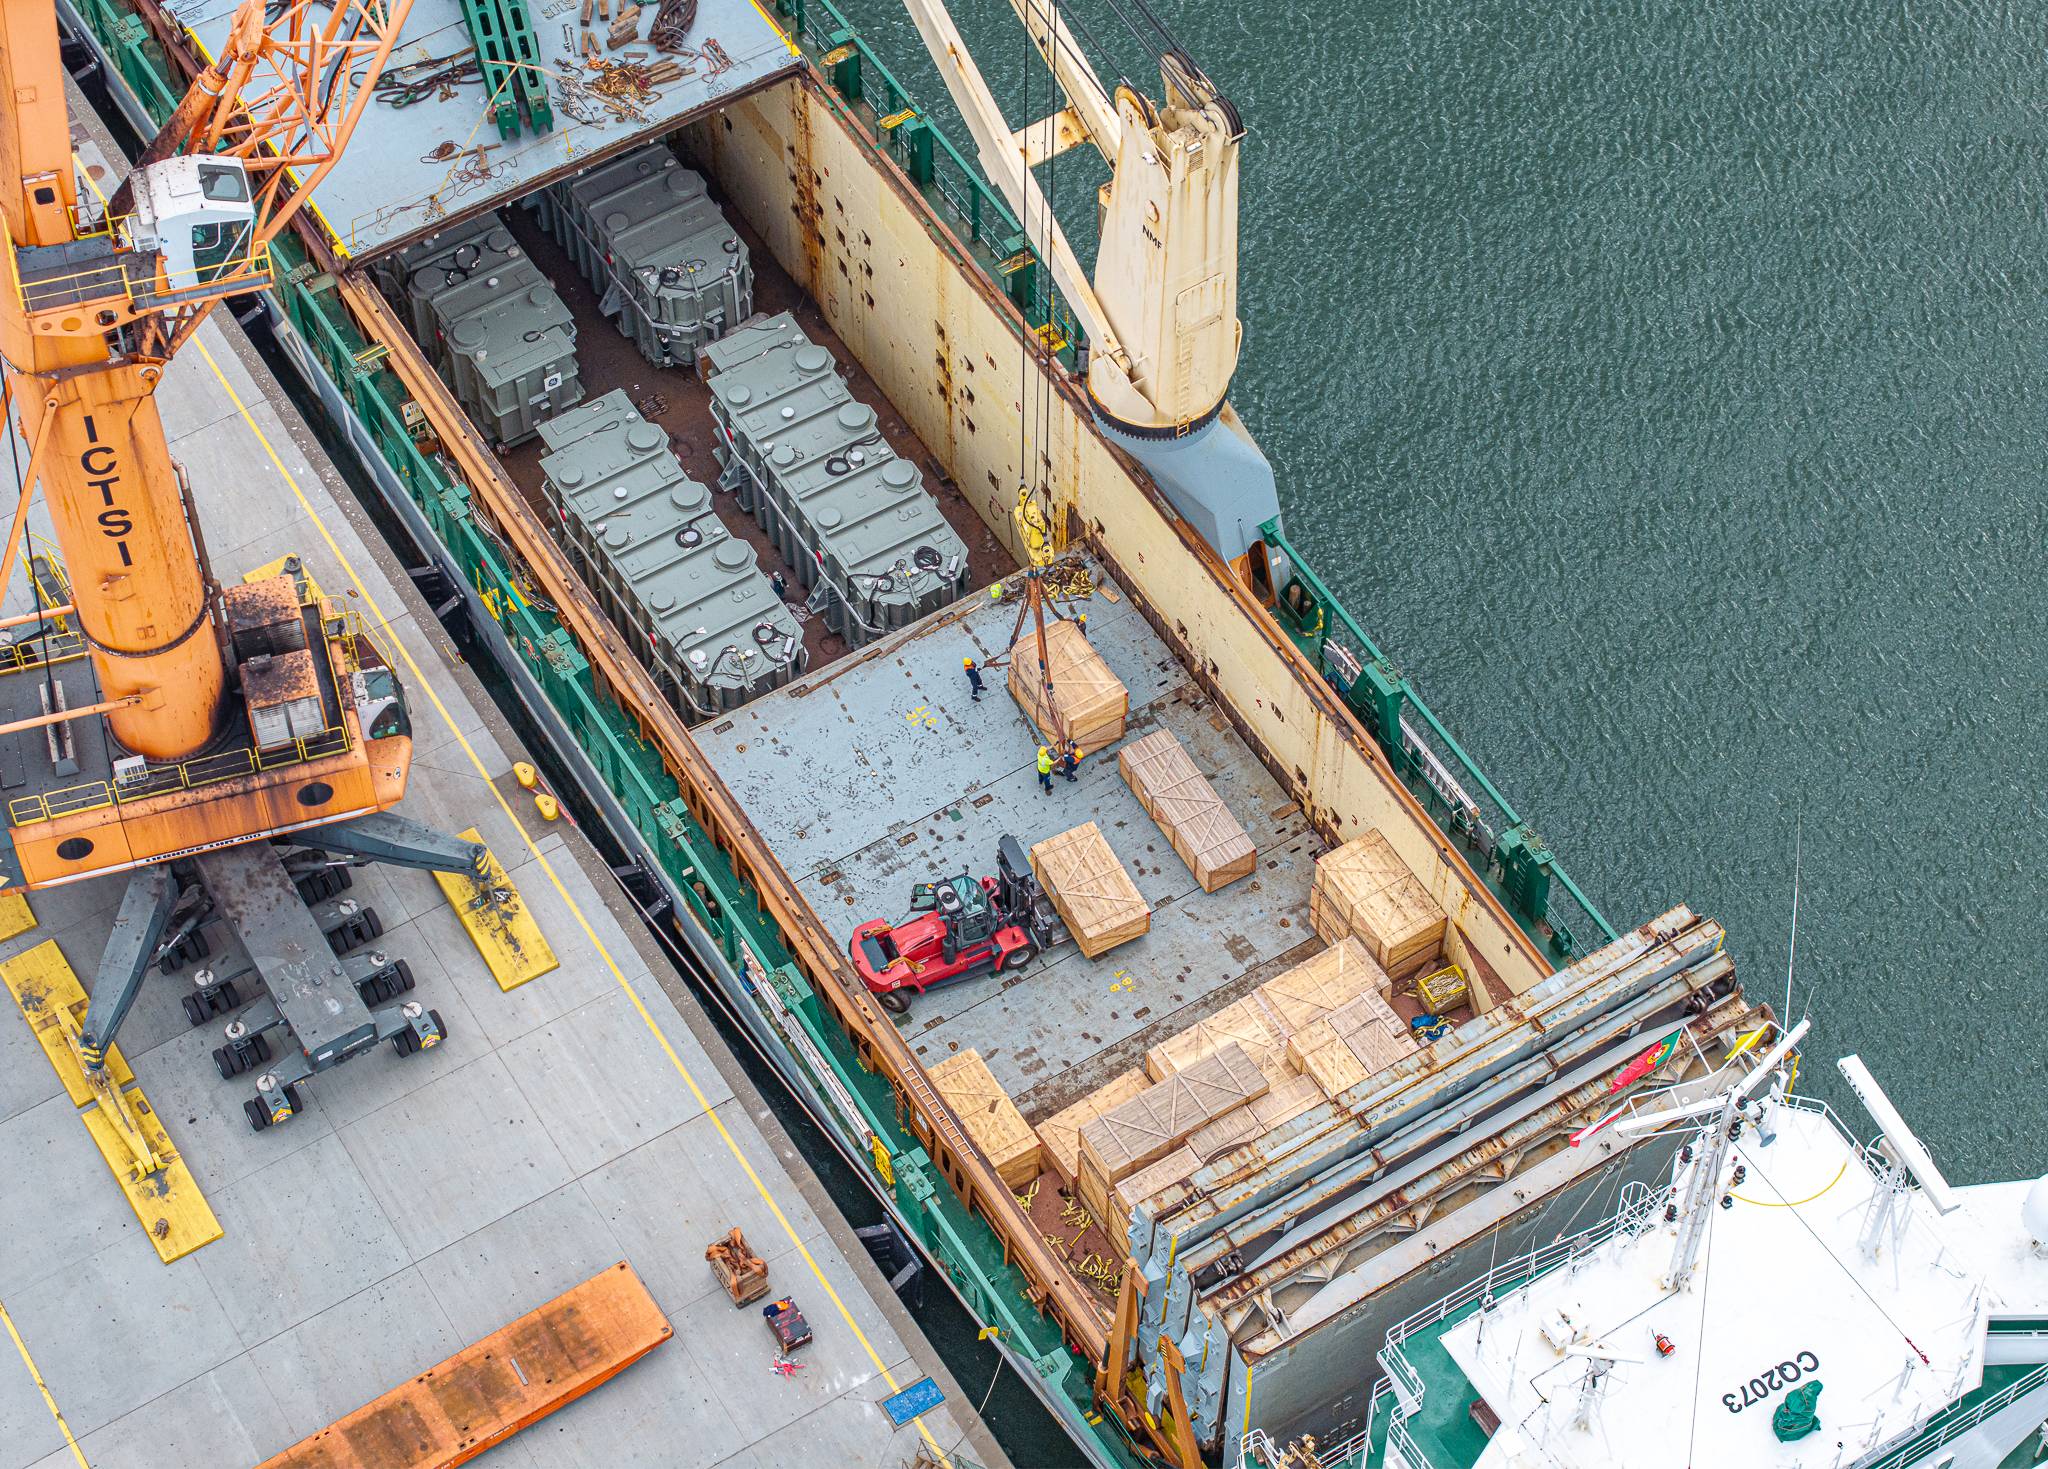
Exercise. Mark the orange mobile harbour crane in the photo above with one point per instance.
(187, 726)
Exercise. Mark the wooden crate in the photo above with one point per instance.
(1061, 1133)
(990, 1117)
(1101, 905)
(1090, 701)
(1247, 1024)
(1357, 1040)
(1161, 1118)
(1312, 989)
(1286, 1101)
(1403, 926)
(1179, 797)
(1363, 888)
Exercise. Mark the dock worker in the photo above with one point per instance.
(1045, 769)
(973, 677)
(1081, 622)
(1069, 758)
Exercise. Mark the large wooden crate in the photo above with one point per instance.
(1161, 1118)
(1362, 888)
(1197, 824)
(1286, 1101)
(1247, 1024)
(1091, 703)
(1312, 989)
(1357, 1040)
(1101, 905)
(1061, 1132)
(1161, 1173)
(990, 1117)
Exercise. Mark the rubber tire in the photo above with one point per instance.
(1017, 958)
(257, 1113)
(195, 1010)
(291, 1096)
(439, 1024)
(262, 1047)
(404, 976)
(225, 1061)
(372, 922)
(405, 1043)
(230, 996)
(894, 1001)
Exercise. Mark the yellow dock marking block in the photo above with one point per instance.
(15, 915)
(173, 1213)
(504, 931)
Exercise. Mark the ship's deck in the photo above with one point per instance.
(880, 772)
(417, 1204)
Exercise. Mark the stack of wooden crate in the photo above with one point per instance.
(990, 1117)
(1102, 907)
(1363, 888)
(1286, 1101)
(1175, 794)
(1088, 704)
(1248, 1024)
(1161, 1118)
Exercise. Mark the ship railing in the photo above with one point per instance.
(1459, 797)
(185, 775)
(1258, 1451)
(1400, 1441)
(1951, 1424)
(905, 131)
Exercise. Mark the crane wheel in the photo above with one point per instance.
(257, 1113)
(405, 1043)
(195, 1010)
(403, 971)
(227, 1062)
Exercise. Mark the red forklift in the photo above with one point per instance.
(962, 926)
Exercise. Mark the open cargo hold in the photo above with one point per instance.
(493, 325)
(1179, 797)
(1161, 1118)
(643, 536)
(1363, 888)
(1061, 1132)
(1088, 703)
(1102, 907)
(812, 465)
(661, 256)
(989, 1116)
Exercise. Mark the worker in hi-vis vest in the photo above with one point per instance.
(1045, 769)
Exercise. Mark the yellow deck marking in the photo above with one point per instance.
(168, 1203)
(575, 909)
(16, 917)
(504, 932)
(36, 1377)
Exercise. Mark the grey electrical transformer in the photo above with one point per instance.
(494, 326)
(666, 570)
(813, 467)
(647, 237)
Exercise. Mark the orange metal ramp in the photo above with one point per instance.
(490, 1390)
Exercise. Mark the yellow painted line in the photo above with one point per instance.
(575, 909)
(775, 26)
(37, 1377)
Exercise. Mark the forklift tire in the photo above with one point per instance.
(894, 1001)
(257, 1113)
(1018, 957)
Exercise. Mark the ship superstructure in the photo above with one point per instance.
(1787, 1296)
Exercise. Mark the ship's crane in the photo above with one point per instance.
(1160, 310)
(223, 717)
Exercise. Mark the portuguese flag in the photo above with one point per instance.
(1644, 1064)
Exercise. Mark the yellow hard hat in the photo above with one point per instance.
(967, 663)
(1043, 751)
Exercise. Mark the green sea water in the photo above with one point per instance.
(1662, 385)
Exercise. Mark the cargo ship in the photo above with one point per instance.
(908, 608)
